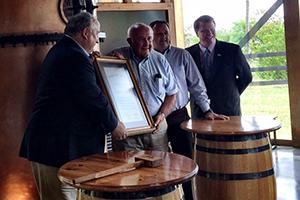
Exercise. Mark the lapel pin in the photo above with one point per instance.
(219, 54)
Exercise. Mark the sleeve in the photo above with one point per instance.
(170, 83)
(196, 85)
(243, 72)
(87, 94)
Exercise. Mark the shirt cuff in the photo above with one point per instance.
(208, 111)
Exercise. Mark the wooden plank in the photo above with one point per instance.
(277, 82)
(263, 69)
(260, 23)
(262, 55)
(132, 6)
(168, 7)
(292, 38)
(178, 23)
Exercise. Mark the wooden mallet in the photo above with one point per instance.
(144, 160)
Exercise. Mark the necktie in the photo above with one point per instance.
(206, 67)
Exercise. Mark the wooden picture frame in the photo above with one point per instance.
(119, 84)
(123, 15)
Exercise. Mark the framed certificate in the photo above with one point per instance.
(118, 83)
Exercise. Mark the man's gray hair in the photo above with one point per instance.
(135, 27)
(203, 18)
(78, 22)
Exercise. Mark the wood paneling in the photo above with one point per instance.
(292, 37)
(18, 74)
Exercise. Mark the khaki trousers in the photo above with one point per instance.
(149, 141)
(48, 184)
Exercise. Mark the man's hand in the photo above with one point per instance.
(95, 54)
(120, 132)
(158, 119)
(213, 116)
(165, 109)
(118, 55)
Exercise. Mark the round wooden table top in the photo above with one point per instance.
(176, 169)
(237, 125)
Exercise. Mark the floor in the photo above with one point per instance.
(287, 172)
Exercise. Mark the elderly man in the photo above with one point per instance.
(157, 84)
(188, 80)
(70, 116)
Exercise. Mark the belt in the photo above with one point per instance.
(176, 112)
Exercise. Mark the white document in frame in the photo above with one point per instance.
(125, 98)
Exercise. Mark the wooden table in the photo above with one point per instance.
(234, 158)
(162, 182)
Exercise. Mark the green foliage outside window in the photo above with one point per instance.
(270, 38)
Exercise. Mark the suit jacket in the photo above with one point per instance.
(70, 116)
(230, 76)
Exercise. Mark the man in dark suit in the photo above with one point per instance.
(70, 116)
(224, 68)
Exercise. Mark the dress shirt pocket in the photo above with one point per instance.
(158, 83)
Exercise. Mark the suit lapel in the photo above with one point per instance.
(217, 61)
(196, 54)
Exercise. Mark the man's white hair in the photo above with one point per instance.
(135, 27)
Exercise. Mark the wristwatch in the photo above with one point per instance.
(161, 113)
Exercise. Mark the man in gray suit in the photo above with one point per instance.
(224, 68)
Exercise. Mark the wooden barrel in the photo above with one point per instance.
(170, 193)
(234, 167)
(162, 182)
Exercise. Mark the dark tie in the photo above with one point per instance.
(206, 67)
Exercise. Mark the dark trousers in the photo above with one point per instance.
(181, 142)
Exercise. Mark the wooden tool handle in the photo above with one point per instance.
(108, 172)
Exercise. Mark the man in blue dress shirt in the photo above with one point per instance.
(157, 83)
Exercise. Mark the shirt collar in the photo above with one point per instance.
(167, 50)
(79, 45)
(211, 47)
(136, 58)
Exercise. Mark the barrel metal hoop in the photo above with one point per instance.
(231, 138)
(233, 151)
(130, 195)
(237, 177)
